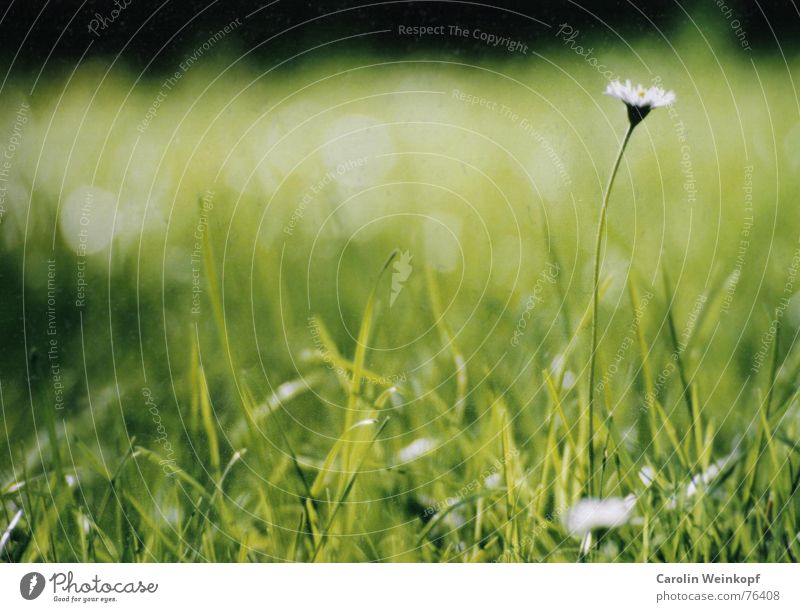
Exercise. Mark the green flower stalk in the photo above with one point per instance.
(639, 102)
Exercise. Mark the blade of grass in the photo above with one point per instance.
(446, 334)
(207, 418)
(677, 352)
(345, 493)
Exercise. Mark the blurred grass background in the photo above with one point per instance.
(486, 198)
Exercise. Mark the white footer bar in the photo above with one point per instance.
(406, 588)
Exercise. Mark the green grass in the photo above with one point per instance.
(289, 403)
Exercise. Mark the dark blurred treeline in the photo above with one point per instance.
(153, 33)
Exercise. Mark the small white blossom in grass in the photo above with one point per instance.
(639, 100)
(647, 475)
(557, 367)
(703, 479)
(492, 481)
(6, 537)
(710, 474)
(13, 488)
(586, 543)
(454, 520)
(415, 450)
(591, 513)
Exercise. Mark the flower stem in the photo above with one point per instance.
(595, 299)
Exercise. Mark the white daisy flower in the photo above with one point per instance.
(591, 513)
(639, 100)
